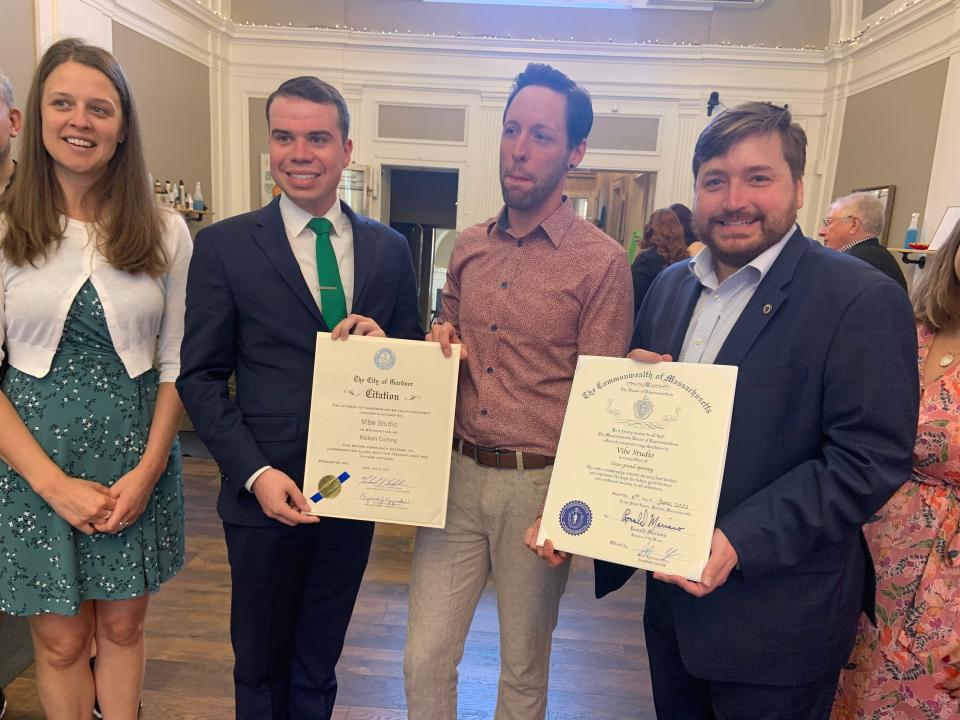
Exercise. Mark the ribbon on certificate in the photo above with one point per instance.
(329, 486)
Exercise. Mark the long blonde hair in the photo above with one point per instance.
(127, 219)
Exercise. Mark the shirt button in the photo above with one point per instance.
(490, 371)
(483, 412)
(698, 342)
(503, 284)
(493, 327)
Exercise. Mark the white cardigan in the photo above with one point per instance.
(34, 302)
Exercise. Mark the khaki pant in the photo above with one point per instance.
(488, 512)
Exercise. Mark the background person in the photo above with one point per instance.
(686, 220)
(91, 273)
(663, 244)
(898, 667)
(853, 225)
(10, 121)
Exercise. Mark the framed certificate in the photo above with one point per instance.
(640, 463)
(381, 423)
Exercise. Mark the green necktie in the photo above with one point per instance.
(332, 301)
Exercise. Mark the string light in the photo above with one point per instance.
(852, 41)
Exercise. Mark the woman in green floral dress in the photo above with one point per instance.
(92, 277)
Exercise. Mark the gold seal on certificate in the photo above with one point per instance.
(381, 419)
(640, 462)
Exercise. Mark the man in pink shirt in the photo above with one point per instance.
(527, 292)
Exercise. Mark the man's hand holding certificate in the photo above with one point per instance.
(639, 464)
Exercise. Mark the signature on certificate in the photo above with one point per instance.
(383, 501)
(387, 483)
(648, 552)
(645, 518)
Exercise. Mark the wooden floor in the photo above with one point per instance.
(598, 665)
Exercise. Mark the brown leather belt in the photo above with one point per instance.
(500, 458)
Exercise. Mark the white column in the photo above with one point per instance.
(692, 120)
(56, 19)
(944, 189)
(487, 183)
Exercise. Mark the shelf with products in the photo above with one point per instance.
(906, 255)
(175, 197)
(191, 215)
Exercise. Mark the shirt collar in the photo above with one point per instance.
(295, 218)
(703, 267)
(855, 243)
(555, 227)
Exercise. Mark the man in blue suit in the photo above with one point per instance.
(260, 287)
(822, 434)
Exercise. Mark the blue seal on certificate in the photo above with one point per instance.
(385, 359)
(575, 517)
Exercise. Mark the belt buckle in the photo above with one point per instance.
(496, 452)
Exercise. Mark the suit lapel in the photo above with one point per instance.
(687, 296)
(364, 250)
(271, 236)
(764, 304)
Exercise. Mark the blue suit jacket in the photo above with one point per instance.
(823, 427)
(249, 311)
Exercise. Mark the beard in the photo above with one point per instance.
(772, 230)
(5, 152)
(542, 188)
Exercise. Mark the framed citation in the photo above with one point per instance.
(381, 420)
(640, 462)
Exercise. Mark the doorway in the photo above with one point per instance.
(616, 201)
(421, 204)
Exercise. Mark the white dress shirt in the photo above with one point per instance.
(303, 242)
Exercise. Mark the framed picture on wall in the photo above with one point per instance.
(884, 193)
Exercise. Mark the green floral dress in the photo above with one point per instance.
(92, 419)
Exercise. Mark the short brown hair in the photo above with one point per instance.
(749, 119)
(936, 300)
(308, 87)
(128, 220)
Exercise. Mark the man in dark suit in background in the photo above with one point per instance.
(261, 285)
(852, 226)
(821, 435)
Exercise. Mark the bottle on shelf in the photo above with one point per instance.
(913, 231)
(198, 198)
(181, 195)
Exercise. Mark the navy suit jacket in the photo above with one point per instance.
(249, 312)
(822, 434)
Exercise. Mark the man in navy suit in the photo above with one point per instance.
(258, 291)
(822, 433)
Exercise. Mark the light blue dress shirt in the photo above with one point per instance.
(720, 303)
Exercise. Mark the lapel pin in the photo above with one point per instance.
(767, 309)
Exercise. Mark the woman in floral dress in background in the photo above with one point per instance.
(92, 278)
(907, 666)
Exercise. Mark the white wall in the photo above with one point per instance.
(671, 82)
